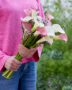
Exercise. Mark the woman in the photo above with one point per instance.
(24, 77)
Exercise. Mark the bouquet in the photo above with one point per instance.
(37, 31)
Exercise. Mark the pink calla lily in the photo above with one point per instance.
(48, 18)
(63, 37)
(42, 31)
(27, 26)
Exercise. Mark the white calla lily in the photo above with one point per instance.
(50, 31)
(45, 39)
(40, 24)
(57, 28)
(34, 16)
(36, 33)
(34, 13)
(48, 39)
(26, 19)
(37, 24)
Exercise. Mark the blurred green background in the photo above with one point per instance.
(55, 66)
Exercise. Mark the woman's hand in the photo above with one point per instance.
(25, 52)
(12, 63)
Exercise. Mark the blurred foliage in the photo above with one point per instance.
(55, 73)
(55, 66)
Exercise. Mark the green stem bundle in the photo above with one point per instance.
(30, 42)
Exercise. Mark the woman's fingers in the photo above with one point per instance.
(14, 61)
(17, 62)
(12, 64)
(13, 68)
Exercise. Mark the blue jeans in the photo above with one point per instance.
(23, 79)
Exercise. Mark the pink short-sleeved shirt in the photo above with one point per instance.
(10, 27)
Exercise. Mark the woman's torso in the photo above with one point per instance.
(10, 25)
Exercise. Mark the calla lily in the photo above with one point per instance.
(41, 31)
(50, 40)
(31, 12)
(27, 26)
(31, 15)
(34, 13)
(63, 37)
(51, 30)
(26, 19)
(49, 17)
(57, 28)
(37, 24)
(45, 39)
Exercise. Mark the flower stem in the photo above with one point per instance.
(7, 73)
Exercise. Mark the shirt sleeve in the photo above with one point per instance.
(3, 58)
(36, 56)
